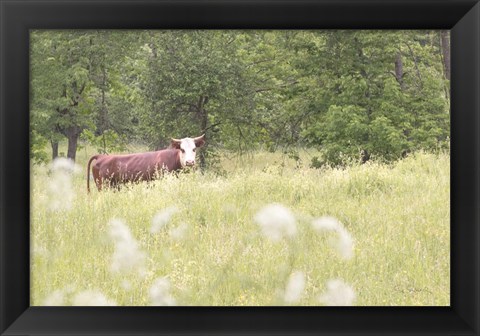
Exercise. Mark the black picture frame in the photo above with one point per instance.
(17, 17)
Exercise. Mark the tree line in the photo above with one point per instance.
(353, 95)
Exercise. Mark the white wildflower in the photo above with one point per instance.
(56, 298)
(91, 298)
(160, 293)
(162, 218)
(295, 288)
(39, 250)
(179, 232)
(60, 189)
(326, 223)
(65, 165)
(127, 256)
(344, 242)
(276, 222)
(126, 285)
(338, 293)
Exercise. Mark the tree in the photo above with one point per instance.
(194, 83)
(76, 81)
(445, 48)
(61, 85)
(381, 95)
(354, 95)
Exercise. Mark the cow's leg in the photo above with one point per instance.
(98, 182)
(117, 186)
(114, 183)
(96, 178)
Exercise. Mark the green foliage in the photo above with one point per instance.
(371, 108)
(37, 148)
(353, 95)
(107, 142)
(73, 76)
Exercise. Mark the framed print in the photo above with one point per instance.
(236, 167)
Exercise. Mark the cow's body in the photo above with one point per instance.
(114, 170)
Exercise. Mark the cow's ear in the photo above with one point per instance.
(175, 143)
(199, 141)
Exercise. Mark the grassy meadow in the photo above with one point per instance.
(197, 239)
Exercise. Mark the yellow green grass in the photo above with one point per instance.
(398, 216)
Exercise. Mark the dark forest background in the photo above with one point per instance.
(351, 95)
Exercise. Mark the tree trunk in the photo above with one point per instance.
(104, 111)
(445, 46)
(72, 133)
(417, 69)
(202, 115)
(445, 53)
(365, 156)
(54, 145)
(399, 70)
(72, 146)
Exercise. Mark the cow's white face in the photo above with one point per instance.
(187, 147)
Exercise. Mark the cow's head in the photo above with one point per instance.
(187, 148)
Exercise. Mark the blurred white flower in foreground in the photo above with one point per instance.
(338, 293)
(65, 165)
(344, 242)
(276, 222)
(160, 293)
(91, 298)
(295, 288)
(127, 256)
(56, 298)
(60, 188)
(126, 285)
(162, 218)
(179, 232)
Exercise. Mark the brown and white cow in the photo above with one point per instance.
(114, 170)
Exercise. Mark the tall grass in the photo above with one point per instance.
(203, 242)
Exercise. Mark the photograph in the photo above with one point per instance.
(251, 167)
